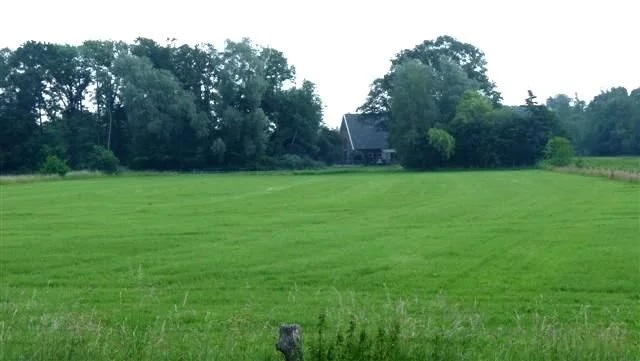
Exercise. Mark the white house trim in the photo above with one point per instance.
(346, 124)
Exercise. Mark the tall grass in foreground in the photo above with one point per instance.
(28, 178)
(616, 174)
(629, 163)
(87, 174)
(449, 333)
(616, 168)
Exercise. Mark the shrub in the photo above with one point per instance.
(267, 163)
(54, 165)
(295, 162)
(290, 161)
(559, 152)
(442, 142)
(310, 163)
(103, 160)
(423, 151)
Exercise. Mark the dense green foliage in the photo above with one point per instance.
(443, 83)
(442, 142)
(559, 151)
(208, 266)
(415, 110)
(156, 106)
(183, 107)
(54, 165)
(458, 66)
(608, 126)
(103, 160)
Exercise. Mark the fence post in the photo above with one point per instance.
(290, 343)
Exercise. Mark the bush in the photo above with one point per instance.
(267, 163)
(290, 161)
(103, 160)
(54, 165)
(442, 142)
(559, 152)
(295, 162)
(426, 151)
(312, 164)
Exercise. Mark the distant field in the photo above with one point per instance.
(623, 163)
(210, 265)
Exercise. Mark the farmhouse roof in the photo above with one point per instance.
(364, 132)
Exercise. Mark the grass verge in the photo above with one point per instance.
(615, 174)
(341, 333)
(625, 169)
(30, 178)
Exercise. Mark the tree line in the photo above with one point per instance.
(147, 105)
(158, 106)
(608, 126)
(442, 110)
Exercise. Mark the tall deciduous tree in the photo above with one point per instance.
(20, 141)
(72, 123)
(183, 106)
(241, 85)
(197, 69)
(278, 76)
(475, 132)
(415, 111)
(439, 54)
(23, 108)
(329, 145)
(613, 123)
(572, 118)
(297, 121)
(110, 123)
(165, 126)
(541, 124)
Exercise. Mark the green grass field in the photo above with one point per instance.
(622, 163)
(208, 266)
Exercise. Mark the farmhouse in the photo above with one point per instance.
(364, 141)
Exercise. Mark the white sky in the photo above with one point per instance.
(561, 46)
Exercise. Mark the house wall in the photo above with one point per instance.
(347, 152)
(366, 156)
(388, 156)
(363, 156)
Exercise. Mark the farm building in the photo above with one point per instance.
(364, 141)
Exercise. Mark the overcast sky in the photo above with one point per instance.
(561, 46)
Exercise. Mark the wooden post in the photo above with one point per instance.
(290, 343)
